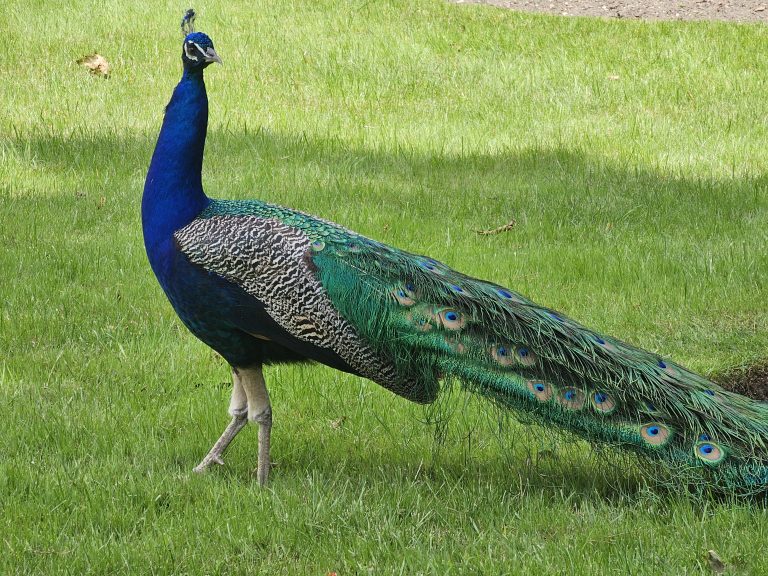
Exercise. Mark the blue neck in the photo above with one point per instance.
(173, 191)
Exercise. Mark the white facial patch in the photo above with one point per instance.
(188, 52)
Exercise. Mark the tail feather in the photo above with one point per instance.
(435, 322)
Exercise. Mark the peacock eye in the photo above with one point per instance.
(189, 50)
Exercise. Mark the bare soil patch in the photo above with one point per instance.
(736, 10)
(752, 382)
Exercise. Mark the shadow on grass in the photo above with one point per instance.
(610, 477)
(560, 199)
(559, 186)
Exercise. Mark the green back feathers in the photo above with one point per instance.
(436, 322)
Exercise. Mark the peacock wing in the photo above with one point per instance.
(259, 249)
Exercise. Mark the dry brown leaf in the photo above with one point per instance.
(336, 424)
(96, 63)
(505, 228)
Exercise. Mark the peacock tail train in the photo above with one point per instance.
(431, 322)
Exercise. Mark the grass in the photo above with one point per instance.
(631, 155)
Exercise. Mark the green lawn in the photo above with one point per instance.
(631, 155)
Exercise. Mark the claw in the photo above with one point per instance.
(214, 456)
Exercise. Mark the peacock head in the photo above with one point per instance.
(198, 51)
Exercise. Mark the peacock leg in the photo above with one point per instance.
(260, 411)
(238, 409)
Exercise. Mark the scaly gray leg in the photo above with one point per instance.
(260, 411)
(238, 408)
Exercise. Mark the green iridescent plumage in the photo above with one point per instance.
(435, 323)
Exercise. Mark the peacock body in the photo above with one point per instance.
(264, 284)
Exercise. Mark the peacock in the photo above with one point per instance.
(263, 284)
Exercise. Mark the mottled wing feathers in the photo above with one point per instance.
(270, 261)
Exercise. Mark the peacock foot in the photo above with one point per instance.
(239, 420)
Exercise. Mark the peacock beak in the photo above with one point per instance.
(211, 56)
